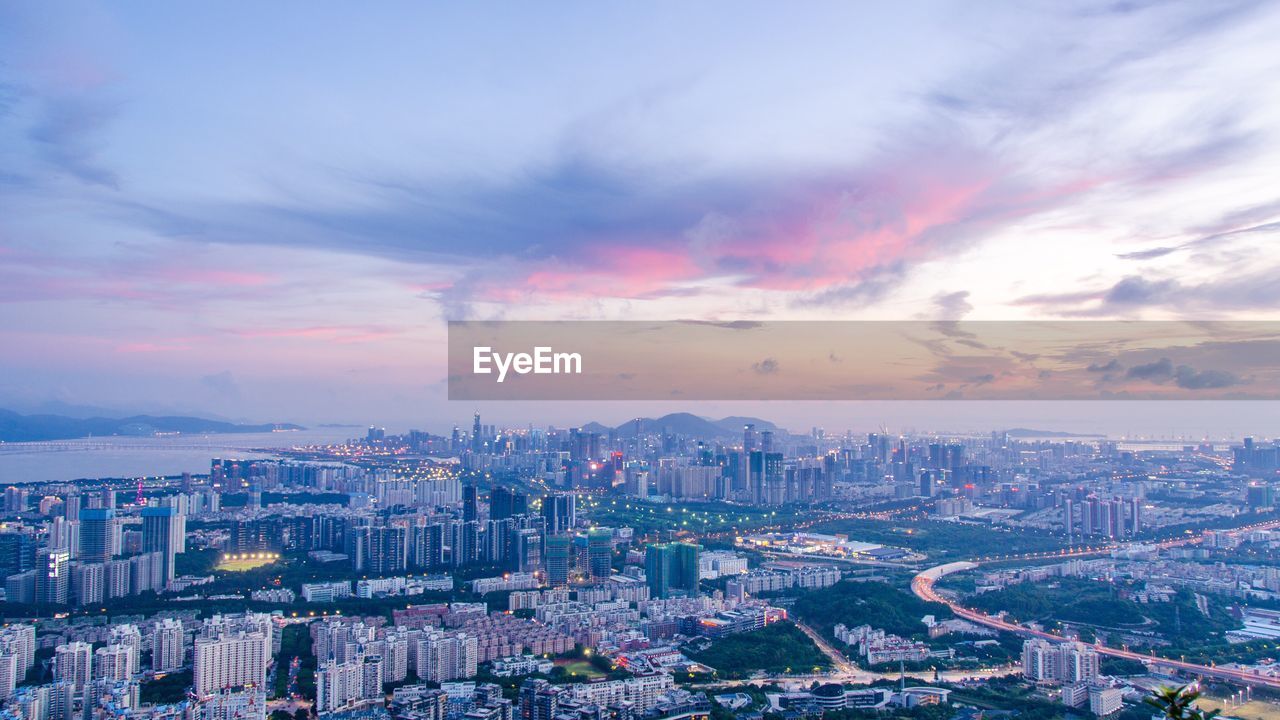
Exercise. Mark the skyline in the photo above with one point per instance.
(273, 222)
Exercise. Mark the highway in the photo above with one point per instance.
(923, 587)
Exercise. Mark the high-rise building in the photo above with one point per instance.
(539, 700)
(115, 663)
(445, 656)
(97, 534)
(88, 583)
(600, 553)
(1066, 662)
(470, 503)
(672, 569)
(53, 576)
(232, 652)
(167, 654)
(73, 663)
(526, 550)
(505, 503)
(17, 552)
(559, 511)
(163, 531)
(559, 560)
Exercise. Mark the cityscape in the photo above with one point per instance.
(717, 360)
(647, 572)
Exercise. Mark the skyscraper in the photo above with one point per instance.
(600, 553)
(162, 531)
(470, 503)
(559, 560)
(53, 576)
(505, 503)
(97, 534)
(560, 512)
(672, 569)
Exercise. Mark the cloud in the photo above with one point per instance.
(1157, 371)
(768, 366)
(1249, 291)
(223, 383)
(1184, 376)
(1110, 366)
(66, 136)
(1190, 379)
(952, 305)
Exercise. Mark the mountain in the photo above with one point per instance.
(1028, 432)
(27, 428)
(686, 424)
(735, 424)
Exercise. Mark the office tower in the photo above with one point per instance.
(163, 531)
(1068, 517)
(773, 479)
(526, 550)
(167, 653)
(73, 663)
(464, 543)
(429, 543)
(672, 569)
(637, 484)
(17, 552)
(477, 435)
(600, 553)
(97, 534)
(559, 560)
(64, 534)
(470, 503)
(505, 503)
(53, 576)
(560, 512)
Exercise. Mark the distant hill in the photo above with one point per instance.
(27, 428)
(686, 424)
(1029, 432)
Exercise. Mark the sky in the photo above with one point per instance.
(268, 212)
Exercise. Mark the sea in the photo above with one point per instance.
(140, 457)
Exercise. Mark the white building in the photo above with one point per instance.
(232, 652)
(227, 705)
(114, 663)
(1104, 701)
(447, 656)
(73, 663)
(167, 653)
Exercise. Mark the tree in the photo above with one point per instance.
(1179, 703)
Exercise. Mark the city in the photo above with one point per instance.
(717, 360)
(639, 572)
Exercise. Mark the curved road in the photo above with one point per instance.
(922, 585)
